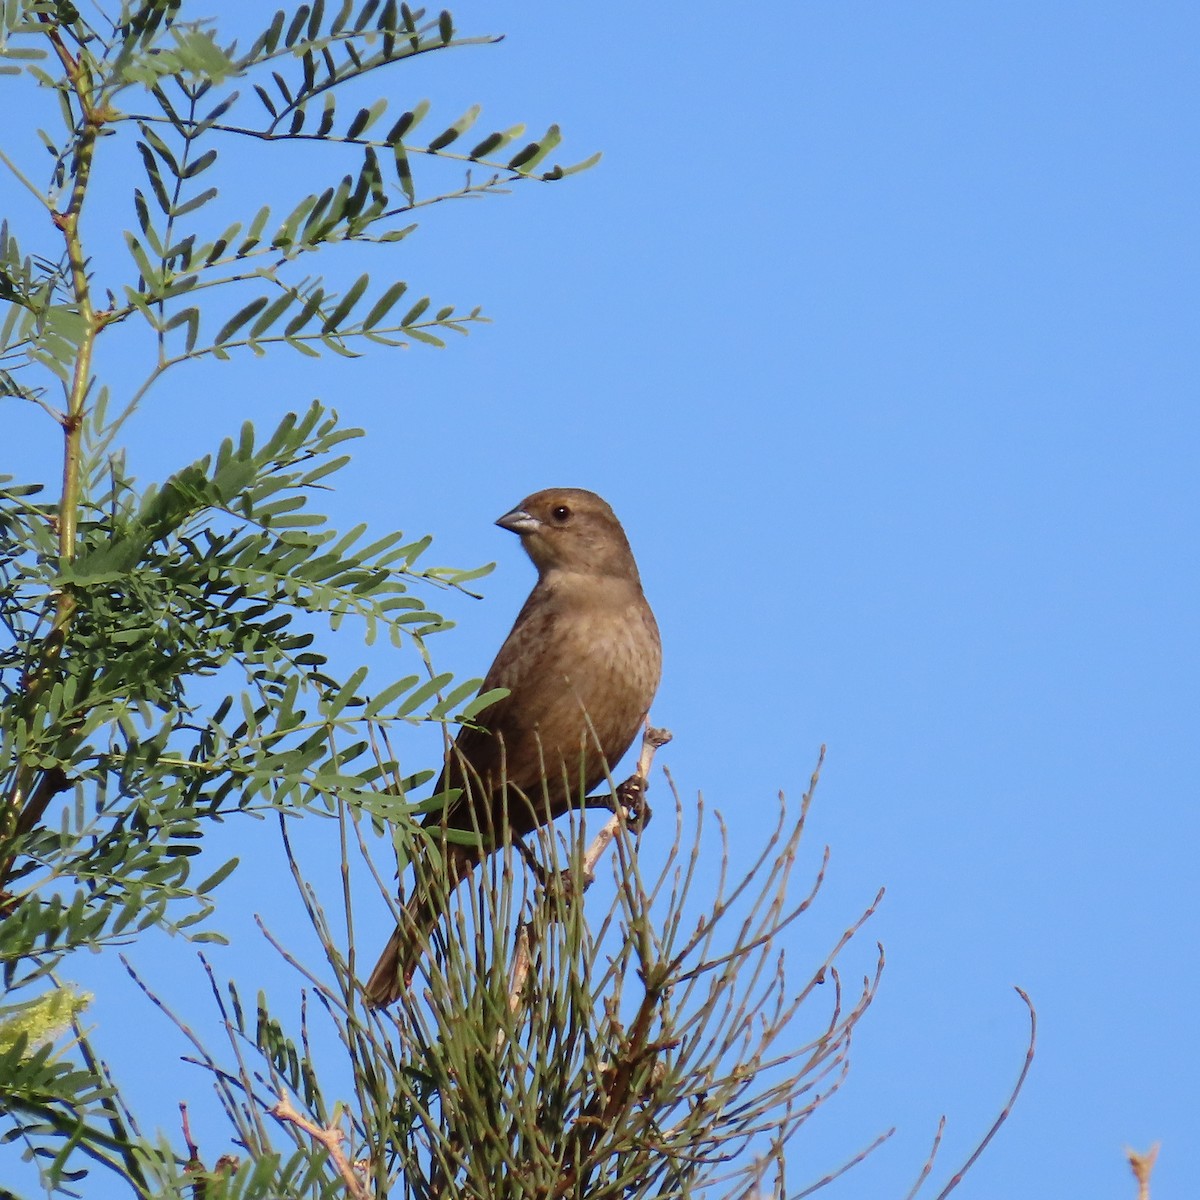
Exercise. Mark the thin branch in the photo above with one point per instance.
(862, 1154)
(522, 964)
(928, 1167)
(652, 740)
(331, 1138)
(991, 1133)
(1141, 1165)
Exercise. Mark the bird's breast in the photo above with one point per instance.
(610, 672)
(581, 666)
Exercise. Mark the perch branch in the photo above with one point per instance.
(653, 739)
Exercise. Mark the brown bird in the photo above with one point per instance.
(581, 666)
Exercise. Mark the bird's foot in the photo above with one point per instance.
(629, 796)
(556, 885)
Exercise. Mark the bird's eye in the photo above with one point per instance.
(561, 513)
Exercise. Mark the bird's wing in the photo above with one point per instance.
(526, 667)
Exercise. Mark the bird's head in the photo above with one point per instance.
(569, 529)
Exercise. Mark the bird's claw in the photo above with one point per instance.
(631, 796)
(556, 884)
(559, 888)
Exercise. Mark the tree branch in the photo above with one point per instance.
(331, 1138)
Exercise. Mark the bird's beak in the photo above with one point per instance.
(520, 522)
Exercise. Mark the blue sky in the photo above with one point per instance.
(877, 325)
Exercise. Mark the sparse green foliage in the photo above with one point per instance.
(655, 1047)
(158, 664)
(183, 96)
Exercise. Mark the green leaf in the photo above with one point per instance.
(282, 85)
(285, 237)
(415, 312)
(270, 37)
(298, 21)
(407, 121)
(418, 697)
(492, 142)
(199, 165)
(346, 694)
(347, 302)
(384, 305)
(527, 159)
(265, 96)
(365, 118)
(327, 115)
(314, 21)
(457, 129)
(482, 701)
(161, 149)
(148, 272)
(423, 335)
(585, 165)
(22, 54)
(198, 53)
(338, 23)
(254, 233)
(218, 876)
(311, 304)
(189, 317)
(214, 114)
(196, 202)
(410, 26)
(239, 319)
(271, 314)
(391, 693)
(154, 176)
(404, 172)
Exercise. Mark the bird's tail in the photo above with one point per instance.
(393, 973)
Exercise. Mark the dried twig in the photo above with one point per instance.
(991, 1133)
(193, 1166)
(653, 739)
(331, 1138)
(928, 1167)
(521, 965)
(846, 1166)
(192, 1149)
(1141, 1165)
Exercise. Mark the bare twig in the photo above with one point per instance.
(331, 1138)
(653, 739)
(846, 1166)
(1142, 1165)
(928, 1167)
(522, 962)
(193, 1166)
(991, 1133)
(192, 1149)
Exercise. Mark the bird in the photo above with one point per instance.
(581, 666)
